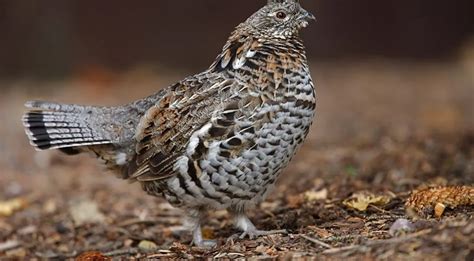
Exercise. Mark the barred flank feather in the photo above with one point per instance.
(58, 126)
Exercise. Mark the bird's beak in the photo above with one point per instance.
(306, 16)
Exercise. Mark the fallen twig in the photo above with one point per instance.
(130, 235)
(150, 222)
(135, 221)
(232, 255)
(162, 254)
(316, 241)
(54, 255)
(377, 208)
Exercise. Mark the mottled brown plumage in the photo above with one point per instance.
(215, 140)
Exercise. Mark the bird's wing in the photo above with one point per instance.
(182, 121)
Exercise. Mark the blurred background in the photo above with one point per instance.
(65, 37)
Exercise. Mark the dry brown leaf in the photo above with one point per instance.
(272, 251)
(355, 220)
(311, 196)
(436, 199)
(7, 208)
(269, 206)
(50, 206)
(261, 249)
(178, 247)
(92, 256)
(321, 232)
(128, 243)
(295, 201)
(85, 211)
(361, 201)
(17, 254)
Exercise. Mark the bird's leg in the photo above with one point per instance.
(198, 240)
(249, 229)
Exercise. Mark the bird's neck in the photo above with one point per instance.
(244, 51)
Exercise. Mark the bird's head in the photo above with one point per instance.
(279, 19)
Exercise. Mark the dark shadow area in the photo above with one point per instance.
(63, 37)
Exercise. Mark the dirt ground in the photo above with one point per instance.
(382, 128)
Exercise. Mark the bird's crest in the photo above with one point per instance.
(278, 19)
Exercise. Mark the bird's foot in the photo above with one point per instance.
(252, 234)
(250, 231)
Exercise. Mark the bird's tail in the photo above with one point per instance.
(61, 126)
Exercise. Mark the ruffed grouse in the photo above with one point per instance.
(215, 140)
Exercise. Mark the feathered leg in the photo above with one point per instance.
(196, 218)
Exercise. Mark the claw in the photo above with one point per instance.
(251, 232)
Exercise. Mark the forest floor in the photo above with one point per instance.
(382, 129)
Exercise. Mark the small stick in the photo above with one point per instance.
(318, 242)
(162, 255)
(377, 208)
(135, 221)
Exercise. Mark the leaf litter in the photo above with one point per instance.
(343, 196)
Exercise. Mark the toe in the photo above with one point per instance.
(244, 235)
(205, 243)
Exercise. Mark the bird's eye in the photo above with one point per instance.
(281, 15)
